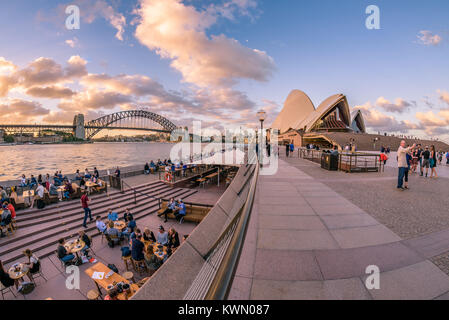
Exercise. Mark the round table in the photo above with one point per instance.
(74, 246)
(119, 225)
(159, 254)
(18, 273)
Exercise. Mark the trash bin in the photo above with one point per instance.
(325, 160)
(333, 162)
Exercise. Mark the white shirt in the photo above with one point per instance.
(40, 191)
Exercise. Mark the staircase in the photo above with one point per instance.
(40, 230)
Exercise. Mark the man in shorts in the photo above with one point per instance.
(425, 160)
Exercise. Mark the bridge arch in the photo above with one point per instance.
(95, 126)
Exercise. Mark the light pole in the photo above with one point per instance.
(262, 115)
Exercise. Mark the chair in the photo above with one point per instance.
(129, 276)
(126, 260)
(140, 265)
(93, 295)
(14, 224)
(16, 202)
(91, 245)
(37, 274)
(4, 290)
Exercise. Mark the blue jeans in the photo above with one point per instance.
(68, 257)
(87, 213)
(401, 175)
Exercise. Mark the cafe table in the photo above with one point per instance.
(74, 246)
(155, 245)
(18, 271)
(106, 278)
(119, 225)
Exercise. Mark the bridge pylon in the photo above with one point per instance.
(78, 124)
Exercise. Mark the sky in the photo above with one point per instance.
(222, 61)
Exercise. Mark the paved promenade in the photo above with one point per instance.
(306, 241)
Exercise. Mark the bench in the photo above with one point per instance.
(17, 203)
(193, 213)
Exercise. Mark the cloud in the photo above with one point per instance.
(72, 42)
(399, 106)
(6, 66)
(43, 72)
(431, 119)
(19, 110)
(178, 32)
(427, 38)
(444, 96)
(52, 92)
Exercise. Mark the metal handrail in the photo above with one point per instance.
(137, 191)
(224, 276)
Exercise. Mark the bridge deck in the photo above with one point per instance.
(306, 241)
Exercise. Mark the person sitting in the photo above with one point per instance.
(146, 169)
(153, 166)
(78, 175)
(181, 212)
(62, 252)
(83, 184)
(5, 219)
(96, 173)
(153, 262)
(39, 194)
(23, 181)
(148, 235)
(101, 226)
(82, 236)
(112, 294)
(87, 174)
(33, 182)
(173, 238)
(112, 233)
(137, 248)
(11, 209)
(68, 190)
(5, 279)
(170, 209)
(112, 215)
(3, 195)
(131, 224)
(162, 236)
(127, 214)
(33, 263)
(53, 190)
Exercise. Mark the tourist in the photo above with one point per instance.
(170, 209)
(5, 219)
(101, 226)
(402, 163)
(68, 190)
(137, 248)
(292, 147)
(131, 223)
(23, 181)
(33, 182)
(52, 190)
(162, 236)
(82, 236)
(419, 154)
(5, 279)
(173, 238)
(117, 172)
(447, 158)
(287, 149)
(146, 169)
(78, 175)
(415, 160)
(39, 194)
(112, 216)
(113, 232)
(96, 173)
(433, 162)
(39, 179)
(3, 195)
(180, 212)
(33, 263)
(127, 214)
(148, 235)
(409, 159)
(153, 262)
(87, 174)
(426, 160)
(47, 181)
(62, 252)
(11, 209)
(153, 166)
(112, 294)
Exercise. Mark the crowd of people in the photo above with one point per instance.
(409, 157)
(178, 208)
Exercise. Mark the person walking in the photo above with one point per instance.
(87, 212)
(292, 148)
(433, 162)
(402, 163)
(287, 149)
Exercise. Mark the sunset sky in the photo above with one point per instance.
(222, 61)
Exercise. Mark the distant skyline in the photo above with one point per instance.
(222, 61)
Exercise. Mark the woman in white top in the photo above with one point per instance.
(33, 263)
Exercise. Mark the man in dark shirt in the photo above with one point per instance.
(426, 160)
(62, 252)
(137, 248)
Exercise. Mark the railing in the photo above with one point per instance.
(214, 280)
(135, 191)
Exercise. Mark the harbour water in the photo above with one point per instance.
(42, 159)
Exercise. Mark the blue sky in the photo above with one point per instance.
(321, 47)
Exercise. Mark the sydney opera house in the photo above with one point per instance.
(301, 123)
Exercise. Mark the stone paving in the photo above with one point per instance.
(306, 241)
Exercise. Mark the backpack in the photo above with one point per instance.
(40, 204)
(26, 288)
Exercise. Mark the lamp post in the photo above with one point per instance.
(261, 115)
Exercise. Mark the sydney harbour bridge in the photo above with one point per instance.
(123, 120)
